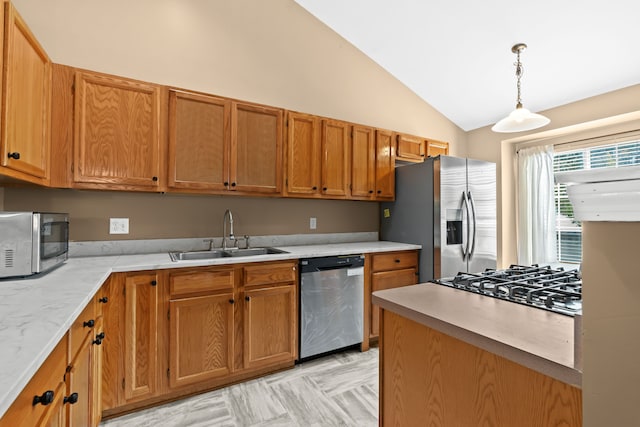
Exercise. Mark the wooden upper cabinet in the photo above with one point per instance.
(199, 141)
(410, 148)
(26, 102)
(436, 148)
(117, 132)
(256, 149)
(385, 166)
(363, 163)
(335, 158)
(219, 145)
(303, 154)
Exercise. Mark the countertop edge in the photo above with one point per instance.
(539, 364)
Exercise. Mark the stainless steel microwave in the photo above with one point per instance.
(32, 242)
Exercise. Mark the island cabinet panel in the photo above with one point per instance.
(336, 148)
(256, 147)
(117, 133)
(199, 141)
(140, 336)
(303, 154)
(429, 378)
(385, 166)
(26, 102)
(363, 163)
(201, 338)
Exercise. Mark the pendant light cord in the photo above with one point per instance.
(519, 72)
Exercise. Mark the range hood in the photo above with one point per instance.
(608, 194)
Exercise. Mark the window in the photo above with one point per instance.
(568, 229)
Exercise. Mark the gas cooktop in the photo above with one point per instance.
(543, 287)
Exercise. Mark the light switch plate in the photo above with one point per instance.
(312, 223)
(118, 225)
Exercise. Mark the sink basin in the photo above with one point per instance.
(254, 251)
(196, 255)
(219, 253)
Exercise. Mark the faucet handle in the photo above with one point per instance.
(246, 241)
(210, 241)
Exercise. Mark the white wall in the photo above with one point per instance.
(272, 52)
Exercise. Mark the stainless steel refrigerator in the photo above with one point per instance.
(447, 205)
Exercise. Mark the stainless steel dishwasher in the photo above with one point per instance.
(331, 303)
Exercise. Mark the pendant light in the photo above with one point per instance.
(520, 119)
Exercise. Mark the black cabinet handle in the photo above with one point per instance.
(324, 188)
(247, 298)
(100, 336)
(14, 155)
(370, 191)
(379, 191)
(89, 324)
(233, 184)
(45, 399)
(104, 300)
(226, 183)
(71, 399)
(232, 301)
(397, 261)
(154, 282)
(314, 188)
(97, 341)
(155, 178)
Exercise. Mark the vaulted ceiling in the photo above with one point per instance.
(456, 55)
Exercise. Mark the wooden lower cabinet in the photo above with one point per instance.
(429, 378)
(270, 316)
(201, 338)
(389, 270)
(78, 386)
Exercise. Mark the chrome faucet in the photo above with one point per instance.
(228, 214)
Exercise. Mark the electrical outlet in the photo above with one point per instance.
(118, 225)
(312, 223)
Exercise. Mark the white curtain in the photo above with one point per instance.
(536, 210)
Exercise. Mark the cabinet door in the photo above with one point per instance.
(256, 147)
(270, 333)
(388, 280)
(335, 158)
(199, 141)
(303, 155)
(385, 166)
(78, 386)
(200, 338)
(140, 336)
(56, 415)
(363, 163)
(96, 375)
(117, 134)
(410, 148)
(436, 148)
(26, 101)
(111, 299)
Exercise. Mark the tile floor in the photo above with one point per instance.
(336, 390)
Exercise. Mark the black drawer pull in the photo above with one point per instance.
(15, 156)
(104, 300)
(45, 399)
(89, 324)
(71, 399)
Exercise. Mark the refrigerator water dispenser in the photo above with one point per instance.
(454, 226)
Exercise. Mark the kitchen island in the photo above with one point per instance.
(454, 358)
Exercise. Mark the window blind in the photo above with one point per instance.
(607, 152)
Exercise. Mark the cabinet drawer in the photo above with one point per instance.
(82, 327)
(194, 282)
(270, 273)
(48, 378)
(394, 261)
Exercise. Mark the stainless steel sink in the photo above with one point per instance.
(196, 255)
(254, 251)
(203, 255)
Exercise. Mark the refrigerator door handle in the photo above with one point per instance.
(473, 211)
(465, 247)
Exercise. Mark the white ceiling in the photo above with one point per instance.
(456, 55)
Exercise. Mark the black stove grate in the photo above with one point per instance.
(552, 289)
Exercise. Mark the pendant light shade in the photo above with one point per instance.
(520, 119)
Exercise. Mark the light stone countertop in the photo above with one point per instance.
(535, 338)
(36, 312)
